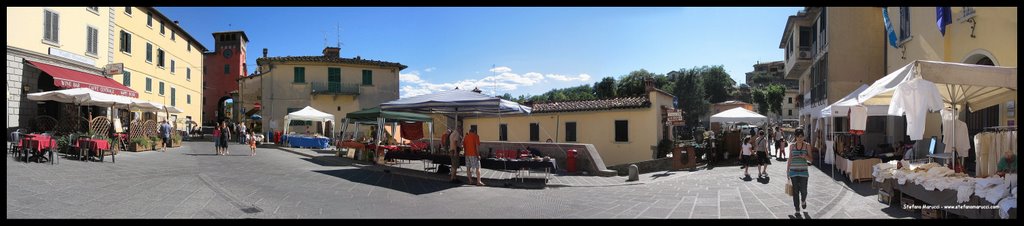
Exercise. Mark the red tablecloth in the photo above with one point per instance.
(388, 147)
(44, 142)
(98, 144)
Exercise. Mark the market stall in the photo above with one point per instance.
(412, 129)
(303, 140)
(928, 86)
(737, 115)
(845, 150)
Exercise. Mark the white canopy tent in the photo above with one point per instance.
(737, 115)
(309, 114)
(929, 86)
(841, 108)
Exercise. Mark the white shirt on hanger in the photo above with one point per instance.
(858, 117)
(954, 138)
(915, 98)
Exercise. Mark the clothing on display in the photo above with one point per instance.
(412, 131)
(989, 148)
(955, 139)
(858, 119)
(915, 98)
(830, 153)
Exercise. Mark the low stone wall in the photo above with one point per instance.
(648, 166)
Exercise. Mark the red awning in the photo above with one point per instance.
(69, 79)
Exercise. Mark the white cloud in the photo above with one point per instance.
(504, 82)
(501, 69)
(430, 69)
(412, 77)
(581, 77)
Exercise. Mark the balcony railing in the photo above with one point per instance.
(337, 88)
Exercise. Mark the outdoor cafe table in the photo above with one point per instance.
(37, 143)
(93, 145)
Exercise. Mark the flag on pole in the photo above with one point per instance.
(888, 27)
(943, 17)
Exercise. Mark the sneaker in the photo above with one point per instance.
(804, 205)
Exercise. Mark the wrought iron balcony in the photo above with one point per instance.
(334, 88)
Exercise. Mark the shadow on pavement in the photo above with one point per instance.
(660, 175)
(333, 161)
(411, 185)
(807, 215)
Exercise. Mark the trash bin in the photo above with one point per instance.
(570, 160)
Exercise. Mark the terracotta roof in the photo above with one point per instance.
(593, 105)
(357, 60)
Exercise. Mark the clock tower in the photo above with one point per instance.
(221, 69)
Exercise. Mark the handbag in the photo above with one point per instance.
(789, 187)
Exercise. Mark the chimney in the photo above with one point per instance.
(264, 52)
(648, 84)
(334, 52)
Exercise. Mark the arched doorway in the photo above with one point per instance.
(224, 110)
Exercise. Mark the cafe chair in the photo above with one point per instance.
(15, 142)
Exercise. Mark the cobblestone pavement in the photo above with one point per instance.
(192, 182)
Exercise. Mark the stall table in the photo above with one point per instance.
(308, 142)
(856, 170)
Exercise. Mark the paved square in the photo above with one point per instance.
(192, 182)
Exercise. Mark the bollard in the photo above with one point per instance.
(634, 173)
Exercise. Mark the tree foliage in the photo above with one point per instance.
(689, 89)
(717, 83)
(605, 89)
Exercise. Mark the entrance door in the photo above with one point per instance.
(334, 79)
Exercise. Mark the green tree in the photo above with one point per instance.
(773, 95)
(632, 84)
(743, 93)
(717, 83)
(507, 96)
(759, 98)
(689, 89)
(605, 89)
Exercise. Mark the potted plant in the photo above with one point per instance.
(175, 140)
(156, 143)
(139, 144)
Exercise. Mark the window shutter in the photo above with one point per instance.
(55, 24)
(47, 23)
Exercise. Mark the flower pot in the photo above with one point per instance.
(134, 147)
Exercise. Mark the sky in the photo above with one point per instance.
(516, 50)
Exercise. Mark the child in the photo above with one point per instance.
(252, 142)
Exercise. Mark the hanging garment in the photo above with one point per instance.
(915, 98)
(830, 153)
(955, 139)
(858, 119)
(412, 131)
(981, 155)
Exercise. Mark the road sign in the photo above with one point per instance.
(675, 116)
(113, 69)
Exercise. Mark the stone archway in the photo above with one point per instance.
(221, 113)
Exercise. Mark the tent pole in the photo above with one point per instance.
(431, 125)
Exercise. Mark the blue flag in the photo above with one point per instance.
(943, 17)
(888, 27)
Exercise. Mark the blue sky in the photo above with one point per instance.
(533, 49)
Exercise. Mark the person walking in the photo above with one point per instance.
(225, 134)
(761, 152)
(745, 159)
(252, 142)
(454, 142)
(165, 133)
(241, 133)
(780, 143)
(472, 144)
(796, 167)
(216, 138)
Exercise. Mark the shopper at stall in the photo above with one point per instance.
(745, 157)
(780, 143)
(471, 144)
(1007, 164)
(796, 167)
(444, 139)
(454, 144)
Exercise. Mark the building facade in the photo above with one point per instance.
(832, 51)
(224, 65)
(161, 61)
(50, 48)
(328, 82)
(976, 35)
(773, 73)
(624, 130)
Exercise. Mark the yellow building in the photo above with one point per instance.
(328, 82)
(161, 60)
(51, 48)
(624, 130)
(977, 35)
(832, 51)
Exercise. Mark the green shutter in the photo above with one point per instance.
(367, 77)
(300, 75)
(334, 79)
(149, 85)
